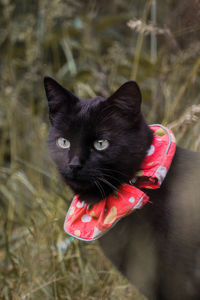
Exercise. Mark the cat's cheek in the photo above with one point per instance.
(96, 157)
(60, 158)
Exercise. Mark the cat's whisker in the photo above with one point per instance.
(111, 170)
(97, 183)
(108, 183)
(107, 175)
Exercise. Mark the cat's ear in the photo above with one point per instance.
(57, 97)
(127, 98)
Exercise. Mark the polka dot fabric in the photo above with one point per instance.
(157, 162)
(89, 223)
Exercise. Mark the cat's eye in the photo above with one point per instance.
(101, 145)
(63, 143)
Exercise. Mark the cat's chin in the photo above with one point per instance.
(88, 191)
(79, 186)
(93, 196)
(90, 198)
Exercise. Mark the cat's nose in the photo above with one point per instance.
(75, 163)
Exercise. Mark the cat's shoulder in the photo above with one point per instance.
(186, 160)
(184, 173)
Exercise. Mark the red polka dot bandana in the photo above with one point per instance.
(88, 223)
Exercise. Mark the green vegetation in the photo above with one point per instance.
(91, 47)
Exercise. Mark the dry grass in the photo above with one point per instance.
(90, 49)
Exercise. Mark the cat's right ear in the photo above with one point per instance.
(126, 99)
(58, 97)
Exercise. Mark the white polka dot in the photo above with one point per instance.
(86, 218)
(139, 204)
(80, 204)
(151, 150)
(158, 139)
(161, 173)
(131, 200)
(96, 233)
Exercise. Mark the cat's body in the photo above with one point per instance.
(158, 247)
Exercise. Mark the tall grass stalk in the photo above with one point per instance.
(140, 42)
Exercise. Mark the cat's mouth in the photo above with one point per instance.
(90, 188)
(78, 184)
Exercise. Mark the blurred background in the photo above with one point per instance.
(91, 47)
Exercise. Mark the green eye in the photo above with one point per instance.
(63, 143)
(101, 145)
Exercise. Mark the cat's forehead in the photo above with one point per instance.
(82, 118)
(88, 112)
(89, 106)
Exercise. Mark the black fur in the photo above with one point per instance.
(117, 119)
(158, 247)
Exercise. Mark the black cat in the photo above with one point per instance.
(99, 144)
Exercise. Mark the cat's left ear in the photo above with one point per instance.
(127, 98)
(58, 97)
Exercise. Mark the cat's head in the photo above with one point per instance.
(96, 144)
